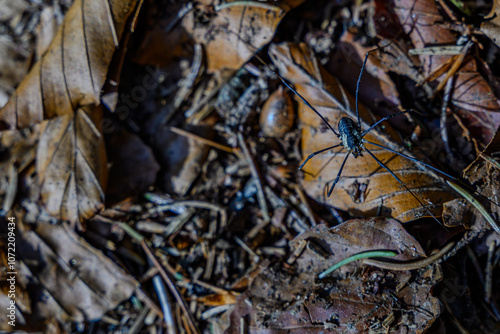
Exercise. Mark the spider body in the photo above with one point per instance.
(350, 135)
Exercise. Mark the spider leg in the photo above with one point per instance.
(338, 175)
(437, 170)
(359, 81)
(317, 152)
(403, 184)
(308, 104)
(385, 119)
(414, 160)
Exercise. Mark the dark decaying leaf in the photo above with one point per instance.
(66, 84)
(491, 24)
(472, 94)
(485, 172)
(353, 299)
(81, 280)
(133, 166)
(382, 190)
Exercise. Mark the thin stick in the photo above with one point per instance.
(403, 266)
(454, 68)
(203, 140)
(442, 120)
(161, 292)
(255, 257)
(255, 174)
(307, 208)
(489, 273)
(194, 204)
(490, 160)
(171, 286)
(476, 204)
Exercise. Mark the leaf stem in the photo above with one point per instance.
(355, 257)
(476, 204)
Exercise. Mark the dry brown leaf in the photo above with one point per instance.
(491, 25)
(133, 166)
(486, 174)
(383, 190)
(84, 283)
(72, 72)
(66, 84)
(234, 32)
(348, 59)
(350, 300)
(472, 93)
(71, 165)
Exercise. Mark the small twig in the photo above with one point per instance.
(255, 174)
(195, 204)
(307, 209)
(454, 320)
(490, 160)
(442, 123)
(255, 257)
(454, 68)
(476, 204)
(143, 297)
(166, 277)
(355, 257)
(214, 288)
(489, 273)
(205, 141)
(188, 83)
(247, 3)
(173, 289)
(165, 305)
(404, 266)
(215, 310)
(138, 321)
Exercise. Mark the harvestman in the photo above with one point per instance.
(352, 139)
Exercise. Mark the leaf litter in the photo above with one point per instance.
(242, 237)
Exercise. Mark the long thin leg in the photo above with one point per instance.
(437, 170)
(308, 104)
(359, 81)
(296, 93)
(338, 175)
(317, 152)
(385, 119)
(402, 183)
(414, 160)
